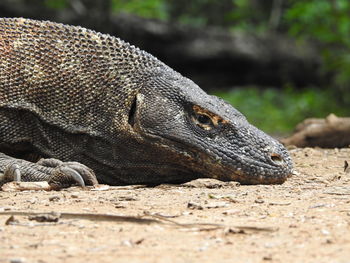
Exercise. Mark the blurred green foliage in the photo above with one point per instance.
(145, 8)
(328, 23)
(194, 12)
(245, 17)
(56, 4)
(278, 111)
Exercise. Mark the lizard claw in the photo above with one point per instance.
(68, 173)
(64, 175)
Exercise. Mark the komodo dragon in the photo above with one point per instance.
(83, 99)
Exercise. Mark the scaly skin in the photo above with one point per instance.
(76, 95)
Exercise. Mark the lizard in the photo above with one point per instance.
(82, 107)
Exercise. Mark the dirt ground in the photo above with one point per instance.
(307, 219)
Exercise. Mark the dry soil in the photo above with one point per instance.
(306, 219)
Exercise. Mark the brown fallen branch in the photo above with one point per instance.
(331, 132)
(211, 226)
(131, 219)
(87, 216)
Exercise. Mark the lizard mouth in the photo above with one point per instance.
(210, 167)
(259, 179)
(230, 173)
(255, 174)
(207, 163)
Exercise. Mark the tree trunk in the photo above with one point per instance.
(332, 132)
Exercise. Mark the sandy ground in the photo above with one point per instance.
(307, 219)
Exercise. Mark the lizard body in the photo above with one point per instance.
(72, 94)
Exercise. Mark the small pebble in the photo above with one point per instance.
(325, 232)
(259, 201)
(54, 198)
(126, 243)
(191, 205)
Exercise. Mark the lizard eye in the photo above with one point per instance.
(203, 121)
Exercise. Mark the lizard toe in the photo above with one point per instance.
(86, 173)
(65, 177)
(69, 173)
(49, 162)
(12, 173)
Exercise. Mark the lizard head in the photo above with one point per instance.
(205, 134)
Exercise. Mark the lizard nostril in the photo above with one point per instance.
(277, 159)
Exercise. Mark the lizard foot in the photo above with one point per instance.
(67, 173)
(57, 173)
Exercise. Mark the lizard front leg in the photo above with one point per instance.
(57, 173)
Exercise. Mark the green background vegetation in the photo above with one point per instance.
(277, 111)
(325, 23)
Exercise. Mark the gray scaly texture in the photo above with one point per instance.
(90, 100)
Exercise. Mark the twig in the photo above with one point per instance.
(89, 216)
(211, 226)
(139, 220)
